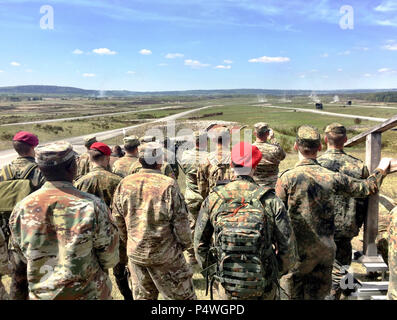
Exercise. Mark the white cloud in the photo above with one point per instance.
(1, 71)
(174, 55)
(195, 64)
(266, 59)
(340, 70)
(104, 51)
(15, 64)
(223, 67)
(227, 61)
(391, 46)
(387, 6)
(145, 52)
(344, 53)
(324, 55)
(77, 51)
(387, 23)
(89, 75)
(383, 70)
(131, 72)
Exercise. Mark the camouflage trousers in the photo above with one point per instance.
(121, 274)
(311, 279)
(172, 279)
(3, 292)
(193, 210)
(344, 257)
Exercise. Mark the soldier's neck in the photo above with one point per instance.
(303, 157)
(334, 148)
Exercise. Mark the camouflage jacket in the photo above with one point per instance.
(166, 169)
(83, 165)
(305, 191)
(215, 169)
(279, 224)
(170, 158)
(349, 212)
(122, 166)
(19, 166)
(100, 183)
(152, 217)
(67, 240)
(392, 292)
(190, 162)
(266, 172)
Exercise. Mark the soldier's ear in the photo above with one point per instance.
(326, 139)
(320, 147)
(296, 146)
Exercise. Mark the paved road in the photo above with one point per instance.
(91, 116)
(325, 113)
(78, 142)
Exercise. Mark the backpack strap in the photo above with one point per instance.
(28, 171)
(7, 173)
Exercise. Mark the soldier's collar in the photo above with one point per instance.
(149, 170)
(95, 167)
(57, 185)
(246, 178)
(307, 162)
(337, 151)
(27, 158)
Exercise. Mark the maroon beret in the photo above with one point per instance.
(102, 148)
(246, 155)
(25, 136)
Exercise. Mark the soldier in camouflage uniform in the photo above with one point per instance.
(65, 237)
(277, 225)
(24, 144)
(392, 292)
(305, 191)
(153, 224)
(349, 212)
(165, 169)
(190, 161)
(266, 173)
(170, 156)
(102, 183)
(83, 161)
(122, 166)
(217, 165)
(99, 181)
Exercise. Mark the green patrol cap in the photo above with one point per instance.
(147, 139)
(308, 134)
(131, 141)
(54, 153)
(335, 128)
(151, 152)
(261, 127)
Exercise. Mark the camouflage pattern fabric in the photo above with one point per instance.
(172, 279)
(266, 172)
(165, 169)
(392, 292)
(170, 158)
(122, 166)
(349, 212)
(216, 168)
(279, 227)
(153, 224)
(190, 162)
(100, 183)
(18, 167)
(83, 165)
(305, 191)
(67, 239)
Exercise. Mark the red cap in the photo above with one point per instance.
(246, 155)
(27, 137)
(102, 148)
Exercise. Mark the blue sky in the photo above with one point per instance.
(155, 45)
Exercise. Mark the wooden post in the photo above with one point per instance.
(373, 156)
